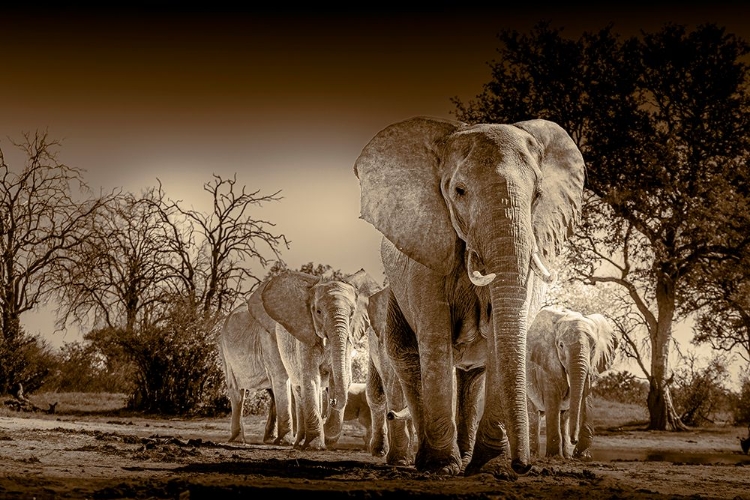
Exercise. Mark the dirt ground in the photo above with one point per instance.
(65, 456)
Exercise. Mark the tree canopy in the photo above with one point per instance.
(662, 121)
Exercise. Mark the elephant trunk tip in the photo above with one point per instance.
(520, 467)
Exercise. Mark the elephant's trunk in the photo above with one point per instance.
(505, 400)
(340, 378)
(579, 371)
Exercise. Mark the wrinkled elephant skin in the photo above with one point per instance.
(251, 361)
(319, 319)
(392, 438)
(472, 216)
(566, 351)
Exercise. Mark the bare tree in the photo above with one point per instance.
(119, 278)
(212, 252)
(46, 212)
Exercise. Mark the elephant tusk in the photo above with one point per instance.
(475, 276)
(540, 269)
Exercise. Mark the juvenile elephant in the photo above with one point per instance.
(358, 409)
(319, 319)
(391, 437)
(566, 350)
(251, 360)
(472, 216)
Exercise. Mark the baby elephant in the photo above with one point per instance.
(565, 351)
(358, 409)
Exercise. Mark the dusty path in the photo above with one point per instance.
(48, 456)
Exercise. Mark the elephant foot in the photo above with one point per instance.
(495, 461)
(237, 437)
(501, 469)
(270, 439)
(283, 441)
(316, 444)
(583, 455)
(398, 459)
(440, 462)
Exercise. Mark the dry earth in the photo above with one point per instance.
(68, 456)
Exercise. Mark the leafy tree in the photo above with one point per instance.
(740, 403)
(661, 120)
(723, 300)
(41, 221)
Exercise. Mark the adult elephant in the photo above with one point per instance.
(392, 436)
(251, 360)
(470, 214)
(566, 350)
(320, 319)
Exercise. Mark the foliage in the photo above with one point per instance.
(81, 367)
(24, 360)
(740, 403)
(621, 386)
(661, 120)
(175, 364)
(699, 393)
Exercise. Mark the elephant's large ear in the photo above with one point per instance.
(605, 347)
(258, 311)
(558, 206)
(399, 180)
(541, 335)
(366, 286)
(377, 309)
(286, 298)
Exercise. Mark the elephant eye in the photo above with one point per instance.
(317, 311)
(460, 190)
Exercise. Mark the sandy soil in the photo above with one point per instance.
(52, 456)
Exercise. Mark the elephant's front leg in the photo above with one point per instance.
(311, 414)
(554, 434)
(425, 369)
(299, 421)
(565, 432)
(438, 448)
(586, 434)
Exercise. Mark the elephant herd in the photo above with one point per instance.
(464, 360)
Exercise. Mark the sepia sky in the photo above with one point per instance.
(286, 100)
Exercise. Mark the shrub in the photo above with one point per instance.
(622, 387)
(740, 403)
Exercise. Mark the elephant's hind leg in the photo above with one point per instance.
(269, 435)
(378, 445)
(470, 395)
(237, 400)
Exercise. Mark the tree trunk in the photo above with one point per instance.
(662, 416)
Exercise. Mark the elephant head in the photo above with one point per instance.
(324, 312)
(494, 201)
(585, 346)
